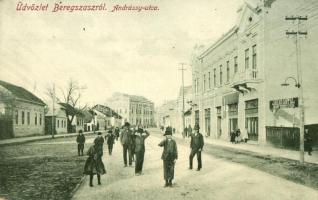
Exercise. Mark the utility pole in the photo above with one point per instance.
(53, 110)
(297, 34)
(183, 121)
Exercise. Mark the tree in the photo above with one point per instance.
(71, 96)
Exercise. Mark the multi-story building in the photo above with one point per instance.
(187, 108)
(136, 110)
(105, 117)
(237, 80)
(168, 114)
(21, 112)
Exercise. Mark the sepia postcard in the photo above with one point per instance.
(158, 99)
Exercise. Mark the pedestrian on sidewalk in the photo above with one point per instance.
(196, 145)
(307, 142)
(245, 135)
(232, 135)
(238, 137)
(80, 139)
(186, 132)
(117, 133)
(94, 163)
(99, 141)
(125, 139)
(169, 157)
(110, 138)
(189, 131)
(140, 138)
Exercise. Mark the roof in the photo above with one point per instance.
(21, 93)
(133, 97)
(88, 116)
(107, 111)
(57, 108)
(70, 110)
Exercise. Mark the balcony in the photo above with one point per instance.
(246, 81)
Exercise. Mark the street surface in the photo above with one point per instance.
(218, 179)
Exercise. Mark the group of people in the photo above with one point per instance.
(237, 136)
(187, 131)
(170, 153)
(133, 143)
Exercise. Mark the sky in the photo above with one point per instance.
(131, 52)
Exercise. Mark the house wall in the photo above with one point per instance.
(34, 126)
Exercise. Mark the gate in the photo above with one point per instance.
(283, 137)
(6, 127)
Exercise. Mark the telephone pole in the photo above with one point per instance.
(183, 120)
(297, 35)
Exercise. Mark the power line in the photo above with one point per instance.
(296, 34)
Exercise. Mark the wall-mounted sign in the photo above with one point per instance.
(283, 103)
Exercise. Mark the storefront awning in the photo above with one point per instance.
(231, 98)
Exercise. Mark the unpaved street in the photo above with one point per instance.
(218, 179)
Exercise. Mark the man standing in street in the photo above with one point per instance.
(80, 143)
(169, 156)
(125, 139)
(110, 138)
(307, 142)
(140, 138)
(99, 142)
(196, 145)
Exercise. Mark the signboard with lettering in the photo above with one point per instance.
(283, 103)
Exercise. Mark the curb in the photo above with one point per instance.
(71, 195)
(42, 138)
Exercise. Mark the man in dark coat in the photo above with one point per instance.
(126, 140)
(196, 145)
(80, 139)
(117, 133)
(140, 138)
(110, 138)
(99, 142)
(169, 156)
(94, 164)
(307, 142)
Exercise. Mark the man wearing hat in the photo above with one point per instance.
(140, 137)
(196, 145)
(110, 138)
(80, 139)
(169, 156)
(125, 139)
(99, 142)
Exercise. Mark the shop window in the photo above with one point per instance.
(16, 117)
(22, 117)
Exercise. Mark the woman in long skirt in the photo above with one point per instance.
(94, 164)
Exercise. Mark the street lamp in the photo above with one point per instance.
(301, 115)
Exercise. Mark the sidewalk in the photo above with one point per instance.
(21, 140)
(263, 150)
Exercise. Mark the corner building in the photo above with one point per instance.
(237, 80)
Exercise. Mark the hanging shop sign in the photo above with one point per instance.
(283, 103)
